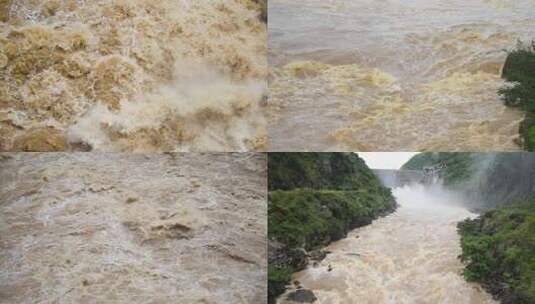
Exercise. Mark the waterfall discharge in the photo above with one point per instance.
(407, 257)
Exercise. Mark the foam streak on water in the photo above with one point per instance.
(409, 257)
(393, 75)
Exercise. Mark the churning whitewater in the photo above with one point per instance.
(133, 228)
(393, 75)
(408, 257)
(132, 75)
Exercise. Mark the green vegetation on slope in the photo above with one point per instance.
(499, 252)
(335, 171)
(458, 164)
(527, 131)
(519, 69)
(313, 218)
(314, 199)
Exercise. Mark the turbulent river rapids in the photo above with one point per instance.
(132, 228)
(393, 75)
(132, 75)
(409, 256)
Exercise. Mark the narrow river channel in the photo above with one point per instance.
(407, 257)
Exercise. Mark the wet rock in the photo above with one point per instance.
(317, 255)
(282, 256)
(41, 140)
(302, 296)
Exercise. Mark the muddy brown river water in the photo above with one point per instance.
(132, 228)
(132, 75)
(393, 75)
(408, 257)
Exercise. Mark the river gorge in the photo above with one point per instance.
(408, 257)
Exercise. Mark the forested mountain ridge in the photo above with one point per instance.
(335, 171)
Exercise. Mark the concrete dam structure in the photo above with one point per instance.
(399, 178)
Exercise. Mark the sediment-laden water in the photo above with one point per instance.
(407, 257)
(393, 75)
(132, 75)
(132, 228)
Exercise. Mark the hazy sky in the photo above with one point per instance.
(386, 160)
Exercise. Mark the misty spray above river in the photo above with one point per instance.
(407, 257)
(393, 75)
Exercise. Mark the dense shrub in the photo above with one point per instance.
(498, 249)
(519, 70)
(313, 218)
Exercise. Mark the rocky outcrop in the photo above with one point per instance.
(132, 228)
(280, 255)
(283, 260)
(302, 296)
